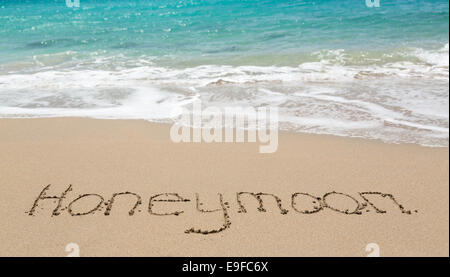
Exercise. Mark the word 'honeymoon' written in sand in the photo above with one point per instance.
(300, 202)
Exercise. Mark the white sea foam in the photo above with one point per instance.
(397, 101)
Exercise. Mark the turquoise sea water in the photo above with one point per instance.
(332, 66)
(193, 31)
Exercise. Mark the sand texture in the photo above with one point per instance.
(318, 195)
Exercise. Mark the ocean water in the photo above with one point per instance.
(331, 66)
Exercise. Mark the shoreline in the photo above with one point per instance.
(108, 157)
(280, 131)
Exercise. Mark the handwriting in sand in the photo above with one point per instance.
(315, 204)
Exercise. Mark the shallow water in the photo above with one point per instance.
(335, 67)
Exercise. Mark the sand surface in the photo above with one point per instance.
(102, 157)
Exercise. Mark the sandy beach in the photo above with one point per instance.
(314, 204)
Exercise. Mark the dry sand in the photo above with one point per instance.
(110, 156)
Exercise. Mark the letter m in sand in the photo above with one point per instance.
(258, 197)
